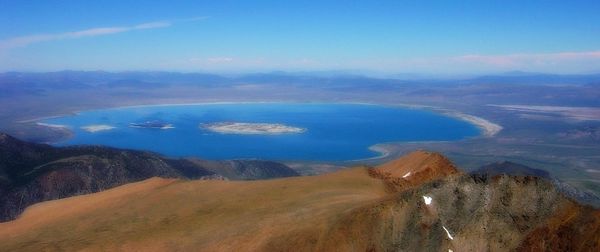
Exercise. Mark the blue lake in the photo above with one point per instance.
(333, 132)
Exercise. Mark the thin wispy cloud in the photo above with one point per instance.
(24, 41)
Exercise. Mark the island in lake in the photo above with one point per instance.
(152, 125)
(251, 128)
(97, 128)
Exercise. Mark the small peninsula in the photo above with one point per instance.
(251, 128)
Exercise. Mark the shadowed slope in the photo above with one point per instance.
(31, 173)
(510, 168)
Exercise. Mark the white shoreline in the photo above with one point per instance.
(380, 148)
(489, 129)
(37, 119)
(55, 126)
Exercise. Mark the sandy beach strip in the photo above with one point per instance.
(489, 129)
(49, 125)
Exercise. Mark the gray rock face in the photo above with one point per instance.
(471, 213)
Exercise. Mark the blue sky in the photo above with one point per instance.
(441, 37)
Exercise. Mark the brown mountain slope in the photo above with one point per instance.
(349, 210)
(161, 214)
(32, 173)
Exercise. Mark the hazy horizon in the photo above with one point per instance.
(327, 73)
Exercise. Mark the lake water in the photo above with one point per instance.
(332, 132)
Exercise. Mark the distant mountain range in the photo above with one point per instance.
(420, 202)
(9, 81)
(538, 79)
(31, 173)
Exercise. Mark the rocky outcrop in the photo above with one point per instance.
(414, 169)
(462, 213)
